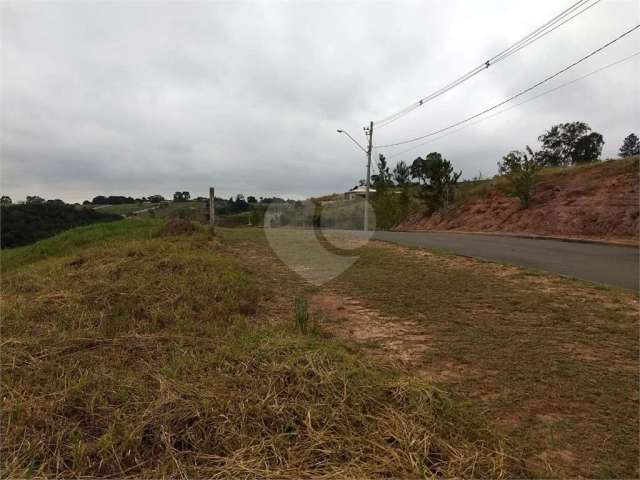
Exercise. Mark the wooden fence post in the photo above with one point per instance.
(212, 207)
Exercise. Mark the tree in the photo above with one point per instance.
(5, 200)
(418, 170)
(112, 200)
(588, 148)
(382, 179)
(438, 179)
(521, 171)
(181, 197)
(568, 144)
(156, 198)
(34, 200)
(402, 173)
(251, 199)
(630, 146)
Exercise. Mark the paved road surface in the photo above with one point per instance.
(613, 265)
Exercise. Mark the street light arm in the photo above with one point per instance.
(353, 140)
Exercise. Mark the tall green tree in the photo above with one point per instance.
(402, 173)
(383, 179)
(5, 200)
(438, 179)
(418, 170)
(569, 144)
(630, 146)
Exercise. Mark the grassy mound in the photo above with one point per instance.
(141, 358)
(71, 241)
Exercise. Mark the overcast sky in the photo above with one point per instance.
(139, 98)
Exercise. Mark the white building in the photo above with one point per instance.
(358, 192)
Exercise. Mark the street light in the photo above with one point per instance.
(353, 140)
(367, 152)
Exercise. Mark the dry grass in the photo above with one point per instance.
(146, 358)
(552, 361)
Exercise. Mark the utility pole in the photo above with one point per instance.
(367, 152)
(366, 193)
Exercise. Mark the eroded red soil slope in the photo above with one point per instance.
(599, 201)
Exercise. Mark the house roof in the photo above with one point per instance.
(361, 189)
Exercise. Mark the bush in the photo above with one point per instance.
(391, 208)
(521, 171)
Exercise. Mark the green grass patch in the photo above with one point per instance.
(72, 240)
(124, 208)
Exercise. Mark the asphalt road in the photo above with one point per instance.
(608, 264)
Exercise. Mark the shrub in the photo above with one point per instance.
(391, 208)
(521, 171)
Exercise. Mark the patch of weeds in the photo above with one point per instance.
(301, 310)
(178, 226)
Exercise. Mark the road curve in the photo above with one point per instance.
(608, 264)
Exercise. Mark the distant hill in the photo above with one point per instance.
(24, 224)
(598, 200)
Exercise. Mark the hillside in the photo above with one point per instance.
(24, 224)
(598, 201)
(130, 351)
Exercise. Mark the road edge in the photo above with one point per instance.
(531, 236)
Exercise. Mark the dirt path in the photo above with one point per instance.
(347, 318)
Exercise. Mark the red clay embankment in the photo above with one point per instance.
(598, 201)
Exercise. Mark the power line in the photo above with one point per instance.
(550, 30)
(546, 92)
(533, 36)
(523, 42)
(513, 97)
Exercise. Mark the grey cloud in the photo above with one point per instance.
(141, 98)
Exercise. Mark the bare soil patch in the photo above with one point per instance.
(348, 318)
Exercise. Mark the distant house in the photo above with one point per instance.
(358, 192)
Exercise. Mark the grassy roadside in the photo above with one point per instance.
(552, 361)
(136, 352)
